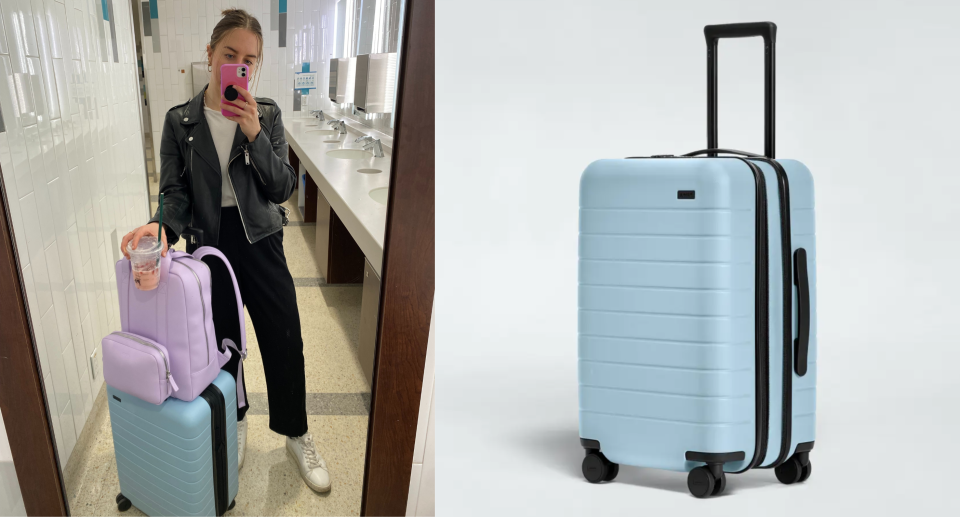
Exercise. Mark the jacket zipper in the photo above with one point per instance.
(203, 304)
(155, 347)
(239, 209)
(246, 155)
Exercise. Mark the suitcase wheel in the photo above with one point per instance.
(232, 504)
(704, 482)
(793, 470)
(596, 467)
(123, 504)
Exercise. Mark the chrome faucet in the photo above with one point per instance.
(318, 114)
(339, 125)
(364, 139)
(375, 145)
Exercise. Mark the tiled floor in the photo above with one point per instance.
(337, 406)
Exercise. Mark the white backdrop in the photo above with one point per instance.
(529, 93)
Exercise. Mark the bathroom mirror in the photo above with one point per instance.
(81, 123)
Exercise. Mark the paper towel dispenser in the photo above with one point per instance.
(342, 77)
(375, 87)
(201, 76)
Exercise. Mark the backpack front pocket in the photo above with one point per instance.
(138, 366)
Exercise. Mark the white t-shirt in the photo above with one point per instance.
(223, 130)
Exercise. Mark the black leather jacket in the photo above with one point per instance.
(190, 177)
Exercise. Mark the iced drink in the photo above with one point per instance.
(145, 261)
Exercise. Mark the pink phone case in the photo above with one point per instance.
(232, 75)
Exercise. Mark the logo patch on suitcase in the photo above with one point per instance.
(118, 398)
(686, 194)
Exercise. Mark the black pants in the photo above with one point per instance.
(267, 289)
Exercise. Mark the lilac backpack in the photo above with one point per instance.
(167, 346)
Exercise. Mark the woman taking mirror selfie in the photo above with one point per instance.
(224, 170)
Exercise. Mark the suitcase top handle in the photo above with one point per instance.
(766, 30)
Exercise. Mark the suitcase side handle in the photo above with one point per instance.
(802, 343)
(766, 30)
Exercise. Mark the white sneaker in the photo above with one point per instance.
(241, 440)
(313, 469)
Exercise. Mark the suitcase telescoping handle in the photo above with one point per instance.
(194, 238)
(766, 30)
(802, 343)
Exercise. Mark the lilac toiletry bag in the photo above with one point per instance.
(138, 366)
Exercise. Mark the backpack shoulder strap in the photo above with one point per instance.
(205, 251)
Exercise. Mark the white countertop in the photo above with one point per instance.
(347, 190)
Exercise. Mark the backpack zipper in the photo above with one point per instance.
(203, 304)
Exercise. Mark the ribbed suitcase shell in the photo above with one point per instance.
(164, 453)
(667, 309)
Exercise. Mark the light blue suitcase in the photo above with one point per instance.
(178, 458)
(697, 342)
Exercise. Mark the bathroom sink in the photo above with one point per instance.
(349, 154)
(323, 132)
(379, 195)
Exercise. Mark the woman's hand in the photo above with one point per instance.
(249, 118)
(135, 235)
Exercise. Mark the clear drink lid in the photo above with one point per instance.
(148, 244)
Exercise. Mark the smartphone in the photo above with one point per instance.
(230, 76)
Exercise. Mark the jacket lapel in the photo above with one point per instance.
(198, 132)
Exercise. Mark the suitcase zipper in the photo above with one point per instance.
(762, 320)
(166, 364)
(217, 403)
(787, 256)
(202, 303)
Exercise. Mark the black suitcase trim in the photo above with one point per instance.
(762, 319)
(786, 253)
(218, 429)
(714, 457)
(589, 444)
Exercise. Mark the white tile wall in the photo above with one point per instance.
(72, 166)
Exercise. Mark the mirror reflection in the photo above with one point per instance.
(245, 331)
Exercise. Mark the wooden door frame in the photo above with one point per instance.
(22, 399)
(407, 280)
